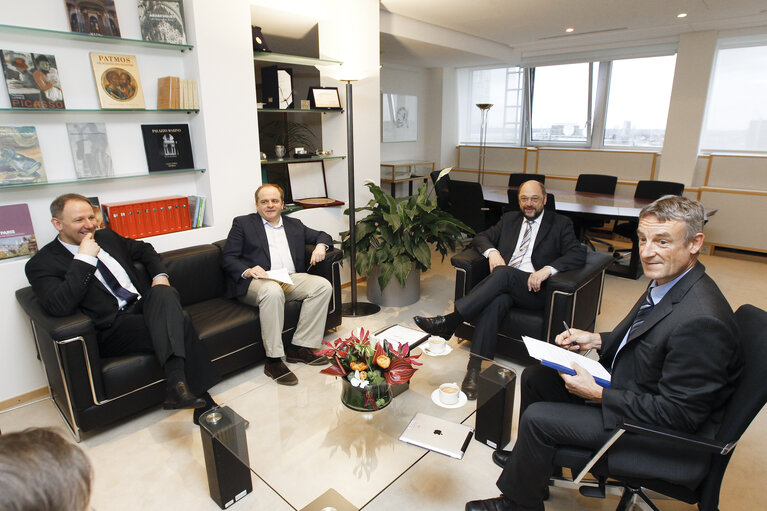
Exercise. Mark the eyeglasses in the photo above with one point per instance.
(535, 199)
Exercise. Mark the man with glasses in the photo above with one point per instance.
(524, 249)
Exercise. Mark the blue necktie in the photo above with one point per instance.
(114, 284)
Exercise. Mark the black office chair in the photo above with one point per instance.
(749, 398)
(551, 202)
(441, 189)
(593, 183)
(649, 190)
(467, 204)
(516, 179)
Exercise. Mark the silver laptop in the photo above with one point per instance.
(438, 435)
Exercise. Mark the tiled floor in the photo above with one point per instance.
(154, 460)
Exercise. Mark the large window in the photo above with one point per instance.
(623, 102)
(736, 114)
(637, 106)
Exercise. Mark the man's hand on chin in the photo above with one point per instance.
(88, 246)
(582, 384)
(160, 280)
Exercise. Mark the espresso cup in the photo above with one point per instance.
(436, 344)
(449, 393)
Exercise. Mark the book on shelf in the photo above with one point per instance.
(117, 80)
(90, 149)
(162, 21)
(139, 219)
(196, 210)
(201, 211)
(95, 17)
(188, 95)
(96, 205)
(17, 236)
(21, 161)
(167, 146)
(168, 93)
(32, 80)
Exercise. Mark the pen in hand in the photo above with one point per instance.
(570, 334)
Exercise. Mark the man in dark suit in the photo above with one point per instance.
(267, 241)
(91, 270)
(524, 249)
(674, 361)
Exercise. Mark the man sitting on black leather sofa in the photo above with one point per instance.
(91, 270)
(521, 258)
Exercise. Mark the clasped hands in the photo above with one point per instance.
(581, 384)
(536, 278)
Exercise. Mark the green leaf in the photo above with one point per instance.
(387, 270)
(402, 267)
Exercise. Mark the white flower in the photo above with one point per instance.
(357, 382)
(368, 181)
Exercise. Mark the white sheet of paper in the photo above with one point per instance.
(280, 275)
(398, 334)
(544, 351)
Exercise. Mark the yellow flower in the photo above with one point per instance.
(383, 361)
(358, 366)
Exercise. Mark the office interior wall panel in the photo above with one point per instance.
(731, 226)
(738, 171)
(627, 165)
(508, 159)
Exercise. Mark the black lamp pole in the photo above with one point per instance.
(353, 309)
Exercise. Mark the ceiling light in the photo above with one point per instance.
(681, 15)
(569, 29)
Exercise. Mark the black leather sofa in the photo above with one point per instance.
(91, 391)
(573, 296)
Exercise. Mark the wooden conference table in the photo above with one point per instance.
(590, 205)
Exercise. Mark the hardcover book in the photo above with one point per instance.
(117, 80)
(168, 93)
(21, 161)
(96, 17)
(167, 146)
(90, 149)
(17, 237)
(162, 21)
(32, 80)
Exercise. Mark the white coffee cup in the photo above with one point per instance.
(449, 393)
(436, 344)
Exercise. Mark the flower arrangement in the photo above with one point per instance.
(369, 367)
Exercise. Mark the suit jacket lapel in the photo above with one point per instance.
(546, 222)
(61, 251)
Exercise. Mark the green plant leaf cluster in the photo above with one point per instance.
(399, 231)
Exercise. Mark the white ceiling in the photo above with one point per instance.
(528, 24)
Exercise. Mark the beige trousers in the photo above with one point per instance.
(270, 297)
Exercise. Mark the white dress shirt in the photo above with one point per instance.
(527, 263)
(279, 250)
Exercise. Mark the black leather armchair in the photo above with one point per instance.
(90, 391)
(748, 399)
(573, 296)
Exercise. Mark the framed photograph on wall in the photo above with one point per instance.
(399, 117)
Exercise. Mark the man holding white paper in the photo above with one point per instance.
(673, 361)
(264, 248)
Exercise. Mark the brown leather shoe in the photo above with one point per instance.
(280, 373)
(303, 354)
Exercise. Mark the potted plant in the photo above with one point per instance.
(393, 241)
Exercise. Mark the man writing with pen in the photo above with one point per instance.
(266, 241)
(673, 360)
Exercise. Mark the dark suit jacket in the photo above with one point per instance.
(64, 285)
(555, 245)
(247, 246)
(677, 371)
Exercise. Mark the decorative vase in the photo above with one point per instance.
(369, 399)
(394, 295)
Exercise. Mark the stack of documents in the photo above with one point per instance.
(561, 359)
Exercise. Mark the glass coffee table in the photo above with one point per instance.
(305, 446)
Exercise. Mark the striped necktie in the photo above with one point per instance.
(645, 309)
(517, 259)
(114, 284)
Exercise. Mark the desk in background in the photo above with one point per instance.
(401, 171)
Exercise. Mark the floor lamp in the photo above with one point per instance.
(353, 308)
(483, 109)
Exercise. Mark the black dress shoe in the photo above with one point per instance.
(470, 382)
(501, 457)
(497, 504)
(280, 373)
(178, 396)
(435, 326)
(306, 355)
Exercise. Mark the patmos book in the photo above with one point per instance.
(117, 80)
(162, 21)
(167, 146)
(90, 149)
(17, 237)
(32, 79)
(96, 17)
(21, 161)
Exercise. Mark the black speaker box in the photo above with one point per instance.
(228, 473)
(495, 406)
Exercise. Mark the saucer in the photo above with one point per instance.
(426, 350)
(462, 400)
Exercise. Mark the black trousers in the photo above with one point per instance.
(158, 324)
(549, 416)
(490, 301)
